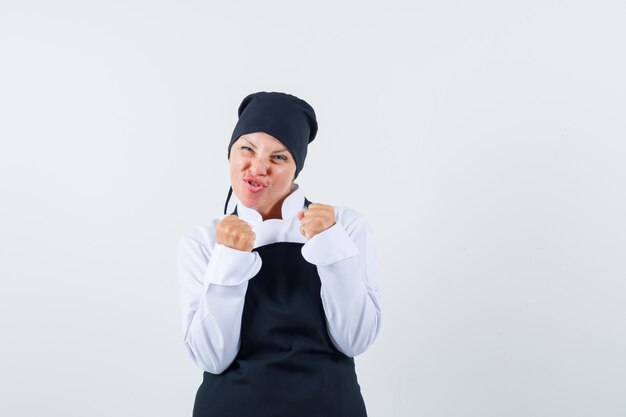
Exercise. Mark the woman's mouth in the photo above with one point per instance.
(253, 185)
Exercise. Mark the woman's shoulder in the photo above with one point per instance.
(203, 233)
(348, 216)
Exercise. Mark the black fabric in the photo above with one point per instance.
(288, 118)
(230, 193)
(286, 364)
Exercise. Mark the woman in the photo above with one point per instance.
(279, 296)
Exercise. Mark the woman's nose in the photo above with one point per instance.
(258, 167)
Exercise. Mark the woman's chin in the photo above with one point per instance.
(249, 200)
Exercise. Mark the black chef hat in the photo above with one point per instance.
(289, 119)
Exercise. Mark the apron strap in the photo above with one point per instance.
(230, 192)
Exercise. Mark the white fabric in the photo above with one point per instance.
(214, 279)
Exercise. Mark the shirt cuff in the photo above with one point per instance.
(230, 267)
(330, 246)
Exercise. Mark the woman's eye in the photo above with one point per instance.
(280, 157)
(246, 148)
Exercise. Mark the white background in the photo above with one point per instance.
(483, 140)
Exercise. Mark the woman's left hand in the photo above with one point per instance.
(316, 219)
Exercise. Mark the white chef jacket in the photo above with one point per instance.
(214, 279)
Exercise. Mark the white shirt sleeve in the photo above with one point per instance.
(346, 262)
(213, 284)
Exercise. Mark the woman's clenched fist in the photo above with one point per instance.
(235, 233)
(316, 219)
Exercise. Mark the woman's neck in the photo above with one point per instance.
(276, 211)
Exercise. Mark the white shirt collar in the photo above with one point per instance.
(291, 206)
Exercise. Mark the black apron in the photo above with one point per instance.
(286, 364)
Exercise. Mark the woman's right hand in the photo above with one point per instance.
(235, 233)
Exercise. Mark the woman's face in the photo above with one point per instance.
(262, 171)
